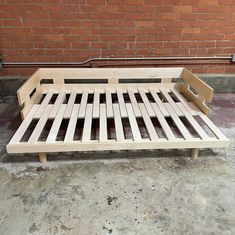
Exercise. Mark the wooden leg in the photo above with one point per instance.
(43, 158)
(194, 154)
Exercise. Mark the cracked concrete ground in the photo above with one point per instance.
(141, 192)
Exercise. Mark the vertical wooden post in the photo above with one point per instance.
(194, 154)
(43, 158)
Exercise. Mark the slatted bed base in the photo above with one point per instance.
(62, 117)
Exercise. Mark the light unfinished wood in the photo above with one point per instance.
(83, 105)
(51, 138)
(166, 128)
(96, 107)
(43, 105)
(159, 103)
(194, 98)
(209, 123)
(149, 125)
(109, 105)
(133, 123)
(201, 87)
(194, 153)
(184, 102)
(133, 109)
(40, 125)
(86, 136)
(118, 123)
(178, 122)
(193, 122)
(134, 103)
(147, 103)
(79, 88)
(72, 124)
(23, 127)
(70, 104)
(109, 73)
(43, 158)
(56, 106)
(171, 102)
(103, 124)
(122, 106)
(77, 146)
(166, 80)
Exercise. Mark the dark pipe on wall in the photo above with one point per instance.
(106, 62)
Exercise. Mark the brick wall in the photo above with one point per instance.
(74, 30)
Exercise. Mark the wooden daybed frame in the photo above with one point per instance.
(174, 115)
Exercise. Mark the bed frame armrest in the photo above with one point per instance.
(195, 90)
(29, 93)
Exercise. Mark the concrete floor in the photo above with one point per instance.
(142, 192)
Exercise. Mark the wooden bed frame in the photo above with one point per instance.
(80, 109)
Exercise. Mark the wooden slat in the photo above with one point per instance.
(210, 124)
(96, 106)
(133, 123)
(109, 73)
(114, 145)
(51, 138)
(178, 122)
(69, 108)
(86, 136)
(72, 124)
(118, 123)
(40, 125)
(184, 102)
(82, 109)
(79, 88)
(43, 105)
(166, 128)
(24, 125)
(159, 103)
(193, 122)
(103, 124)
(121, 102)
(149, 125)
(171, 102)
(109, 105)
(58, 102)
(147, 103)
(213, 127)
(134, 103)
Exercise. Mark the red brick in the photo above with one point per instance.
(215, 69)
(183, 9)
(145, 24)
(191, 30)
(226, 30)
(52, 7)
(134, 2)
(37, 15)
(153, 2)
(199, 70)
(230, 69)
(170, 16)
(206, 44)
(53, 37)
(208, 2)
(227, 2)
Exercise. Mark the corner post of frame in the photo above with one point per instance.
(194, 153)
(43, 158)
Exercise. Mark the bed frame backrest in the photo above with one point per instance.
(113, 75)
(33, 89)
